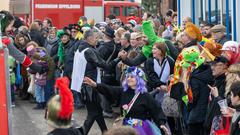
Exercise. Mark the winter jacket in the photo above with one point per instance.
(50, 65)
(68, 59)
(52, 48)
(109, 51)
(152, 77)
(199, 80)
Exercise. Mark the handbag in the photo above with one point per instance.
(170, 106)
(119, 121)
(31, 88)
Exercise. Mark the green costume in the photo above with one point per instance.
(152, 38)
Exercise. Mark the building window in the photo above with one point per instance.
(128, 10)
(115, 11)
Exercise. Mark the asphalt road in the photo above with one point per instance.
(26, 121)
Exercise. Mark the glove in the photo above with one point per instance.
(38, 68)
(6, 41)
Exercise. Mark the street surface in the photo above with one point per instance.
(26, 121)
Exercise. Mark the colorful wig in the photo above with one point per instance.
(140, 79)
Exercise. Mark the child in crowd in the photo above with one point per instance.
(39, 55)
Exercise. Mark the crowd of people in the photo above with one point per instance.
(166, 79)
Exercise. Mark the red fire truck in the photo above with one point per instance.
(64, 12)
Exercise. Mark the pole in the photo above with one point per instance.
(193, 11)
(221, 11)
(227, 18)
(201, 10)
(32, 6)
(234, 21)
(179, 13)
(216, 11)
(5, 98)
(209, 11)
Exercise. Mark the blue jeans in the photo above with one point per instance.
(49, 90)
(39, 93)
(77, 101)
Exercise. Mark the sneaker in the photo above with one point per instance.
(107, 115)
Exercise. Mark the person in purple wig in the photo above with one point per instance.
(135, 79)
(138, 107)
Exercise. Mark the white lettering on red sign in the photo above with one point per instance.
(46, 6)
(57, 6)
(69, 6)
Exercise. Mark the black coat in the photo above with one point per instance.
(152, 77)
(145, 106)
(213, 107)
(108, 53)
(199, 80)
(68, 59)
